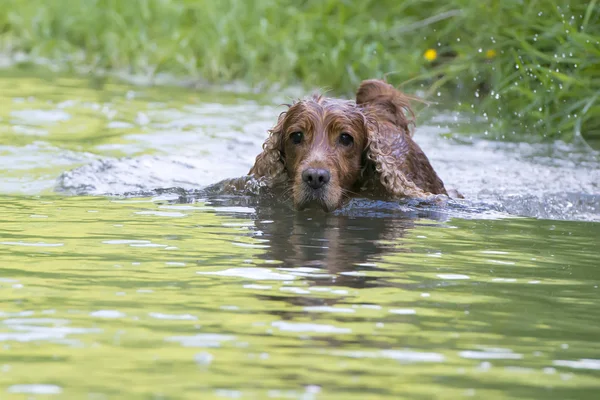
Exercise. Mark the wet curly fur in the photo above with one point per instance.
(380, 160)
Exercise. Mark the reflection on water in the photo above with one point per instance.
(231, 297)
(195, 293)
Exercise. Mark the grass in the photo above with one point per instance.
(532, 68)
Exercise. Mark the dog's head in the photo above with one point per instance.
(318, 146)
(325, 149)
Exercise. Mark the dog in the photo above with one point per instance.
(325, 151)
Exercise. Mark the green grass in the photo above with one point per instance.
(531, 67)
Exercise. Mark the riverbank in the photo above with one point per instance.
(532, 69)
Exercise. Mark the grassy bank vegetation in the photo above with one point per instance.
(532, 67)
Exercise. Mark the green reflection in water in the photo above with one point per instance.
(143, 298)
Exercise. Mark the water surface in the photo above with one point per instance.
(192, 294)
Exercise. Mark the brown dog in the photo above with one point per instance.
(329, 150)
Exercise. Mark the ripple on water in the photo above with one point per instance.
(176, 317)
(203, 358)
(41, 329)
(583, 363)
(40, 117)
(28, 244)
(126, 241)
(490, 355)
(36, 388)
(162, 214)
(257, 274)
(257, 287)
(403, 311)
(307, 327)
(328, 309)
(250, 245)
(107, 314)
(309, 272)
(293, 289)
(453, 276)
(408, 356)
(201, 340)
(148, 245)
(412, 356)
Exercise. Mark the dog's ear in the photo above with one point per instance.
(271, 162)
(389, 102)
(383, 163)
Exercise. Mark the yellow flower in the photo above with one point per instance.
(430, 54)
(490, 53)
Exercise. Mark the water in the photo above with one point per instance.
(194, 294)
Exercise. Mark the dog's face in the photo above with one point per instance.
(323, 142)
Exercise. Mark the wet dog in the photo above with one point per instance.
(325, 151)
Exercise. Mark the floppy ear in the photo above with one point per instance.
(390, 103)
(383, 153)
(270, 163)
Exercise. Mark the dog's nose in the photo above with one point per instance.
(315, 177)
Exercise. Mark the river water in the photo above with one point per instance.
(182, 293)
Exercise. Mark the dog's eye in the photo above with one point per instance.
(297, 137)
(346, 139)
